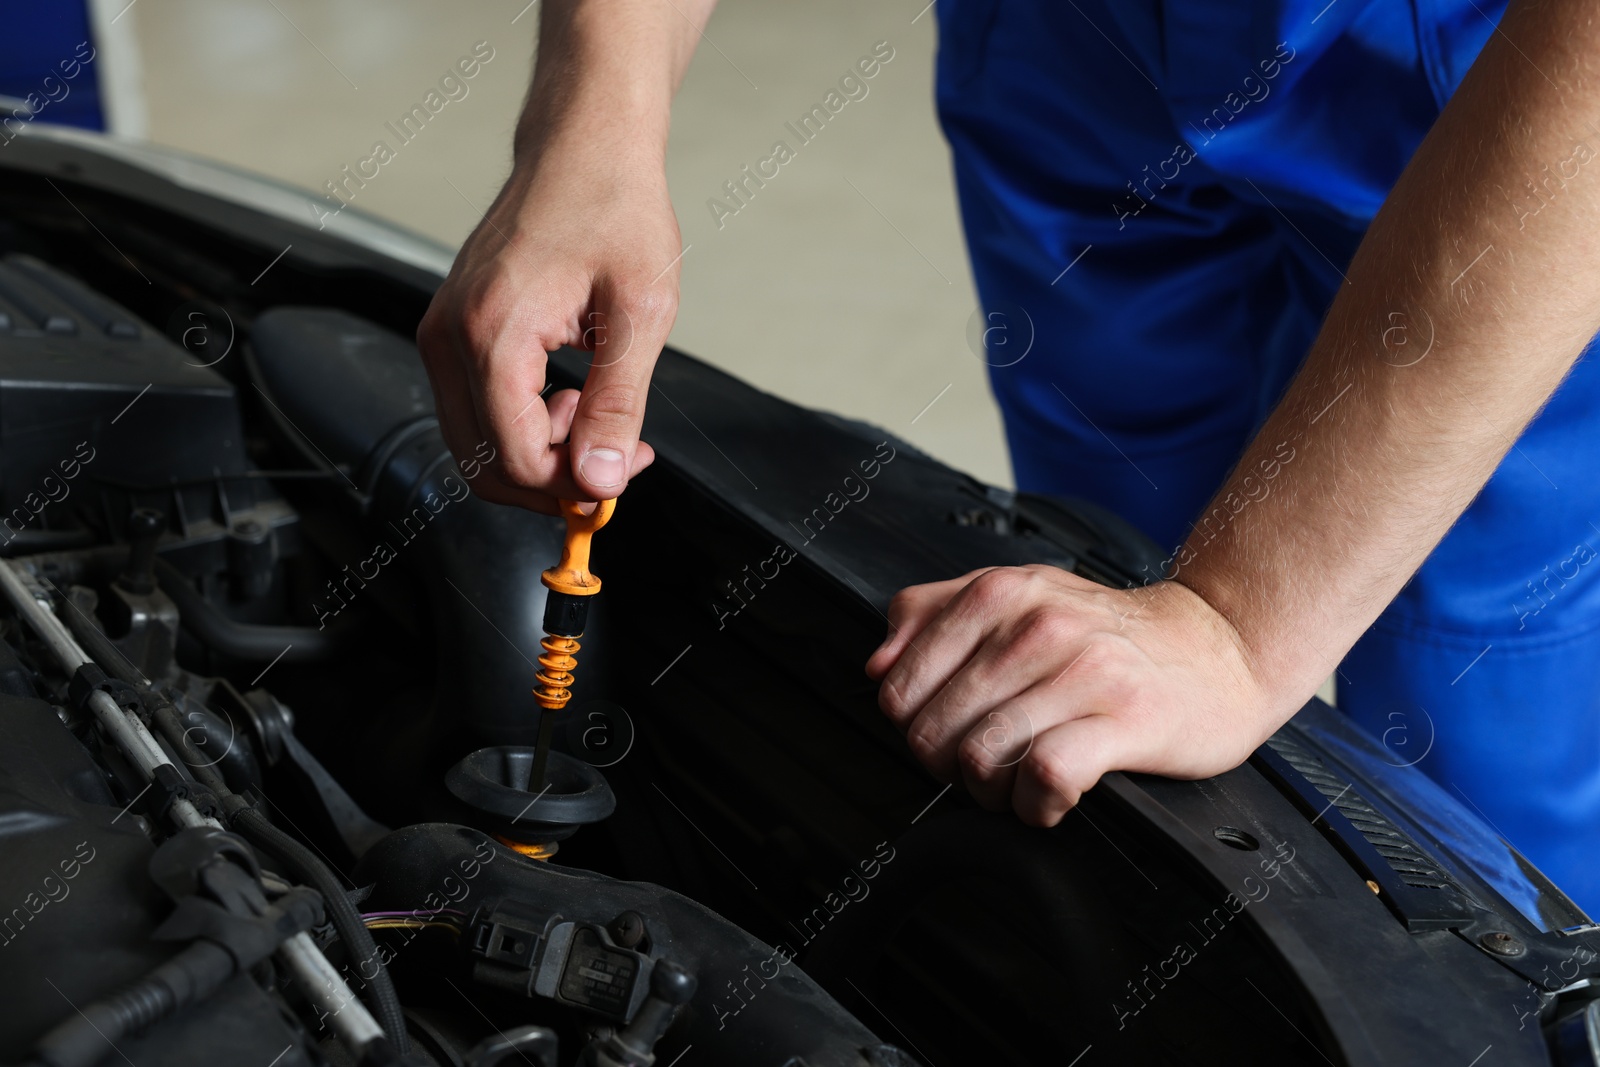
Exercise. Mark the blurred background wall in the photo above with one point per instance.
(842, 284)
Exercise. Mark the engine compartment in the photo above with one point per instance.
(225, 487)
(191, 555)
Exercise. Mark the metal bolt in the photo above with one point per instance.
(1502, 944)
(627, 929)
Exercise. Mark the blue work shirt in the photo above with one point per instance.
(1160, 199)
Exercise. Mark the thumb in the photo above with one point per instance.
(625, 331)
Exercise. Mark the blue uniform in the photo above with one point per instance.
(46, 53)
(1162, 195)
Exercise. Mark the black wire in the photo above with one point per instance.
(189, 976)
(308, 867)
(302, 861)
(254, 826)
(247, 821)
(98, 645)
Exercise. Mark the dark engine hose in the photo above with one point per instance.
(305, 865)
(99, 646)
(189, 976)
(248, 641)
(196, 971)
(163, 714)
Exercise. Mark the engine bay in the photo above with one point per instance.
(272, 780)
(184, 551)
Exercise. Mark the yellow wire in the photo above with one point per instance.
(404, 924)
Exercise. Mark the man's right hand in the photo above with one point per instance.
(580, 248)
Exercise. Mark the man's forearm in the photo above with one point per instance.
(579, 248)
(1500, 290)
(611, 66)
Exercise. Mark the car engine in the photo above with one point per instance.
(274, 787)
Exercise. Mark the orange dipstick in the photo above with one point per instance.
(555, 672)
(571, 575)
(569, 578)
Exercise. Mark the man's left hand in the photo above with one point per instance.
(1029, 683)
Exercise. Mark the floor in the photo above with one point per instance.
(842, 284)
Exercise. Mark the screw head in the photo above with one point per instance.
(1502, 944)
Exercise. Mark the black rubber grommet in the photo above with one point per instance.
(496, 782)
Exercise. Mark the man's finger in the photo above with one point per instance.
(990, 680)
(909, 614)
(458, 425)
(506, 386)
(631, 328)
(1064, 763)
(561, 407)
(1002, 737)
(458, 421)
(946, 644)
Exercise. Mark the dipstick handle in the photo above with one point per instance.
(571, 575)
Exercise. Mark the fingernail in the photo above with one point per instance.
(603, 467)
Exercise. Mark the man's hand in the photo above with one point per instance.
(580, 248)
(1029, 683)
(564, 257)
(1186, 677)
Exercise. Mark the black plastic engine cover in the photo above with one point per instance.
(90, 393)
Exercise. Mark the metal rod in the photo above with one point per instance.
(322, 984)
(541, 751)
(325, 987)
(34, 606)
(131, 736)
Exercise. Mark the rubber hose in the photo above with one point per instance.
(187, 977)
(306, 865)
(76, 1043)
(165, 716)
(247, 641)
(99, 646)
